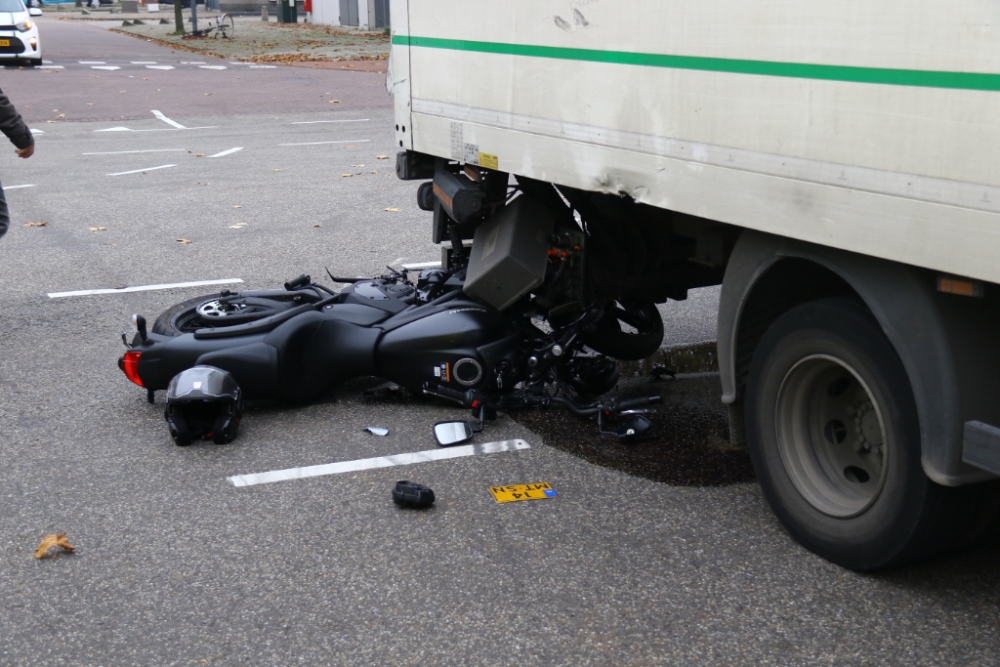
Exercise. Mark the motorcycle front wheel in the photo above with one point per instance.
(627, 331)
(212, 311)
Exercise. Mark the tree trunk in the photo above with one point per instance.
(178, 16)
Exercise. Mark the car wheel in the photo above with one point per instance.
(834, 439)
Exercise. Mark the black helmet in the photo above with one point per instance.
(203, 402)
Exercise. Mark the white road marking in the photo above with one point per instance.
(164, 67)
(159, 114)
(423, 265)
(313, 122)
(380, 462)
(164, 129)
(233, 62)
(228, 152)
(321, 143)
(212, 67)
(109, 68)
(91, 62)
(47, 62)
(51, 67)
(143, 288)
(185, 62)
(143, 62)
(150, 150)
(34, 131)
(263, 67)
(138, 171)
(15, 187)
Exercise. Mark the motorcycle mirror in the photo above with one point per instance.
(452, 433)
(634, 428)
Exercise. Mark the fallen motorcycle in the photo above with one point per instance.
(504, 324)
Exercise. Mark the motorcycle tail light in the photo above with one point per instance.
(130, 365)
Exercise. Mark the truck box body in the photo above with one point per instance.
(870, 127)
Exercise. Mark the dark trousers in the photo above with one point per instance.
(4, 214)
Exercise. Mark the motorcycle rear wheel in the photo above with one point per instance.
(628, 331)
(185, 318)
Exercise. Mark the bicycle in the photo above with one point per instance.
(224, 26)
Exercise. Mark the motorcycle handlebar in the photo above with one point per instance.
(639, 402)
(445, 392)
(301, 281)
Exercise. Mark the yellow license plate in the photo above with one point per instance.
(516, 492)
(4, 42)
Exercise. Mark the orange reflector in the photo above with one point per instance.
(130, 364)
(959, 286)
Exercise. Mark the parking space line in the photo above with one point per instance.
(321, 143)
(109, 68)
(212, 67)
(313, 122)
(16, 187)
(137, 171)
(91, 62)
(164, 67)
(51, 67)
(227, 152)
(263, 67)
(380, 462)
(143, 62)
(143, 288)
(149, 150)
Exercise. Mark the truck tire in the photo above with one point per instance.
(835, 441)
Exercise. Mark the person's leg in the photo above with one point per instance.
(4, 215)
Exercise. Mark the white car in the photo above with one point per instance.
(19, 40)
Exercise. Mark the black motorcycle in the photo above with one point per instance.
(514, 321)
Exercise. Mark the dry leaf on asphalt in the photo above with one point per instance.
(357, 166)
(374, 172)
(392, 209)
(279, 169)
(201, 183)
(347, 175)
(317, 225)
(237, 206)
(50, 541)
(381, 157)
(98, 229)
(62, 115)
(334, 101)
(199, 155)
(41, 223)
(184, 240)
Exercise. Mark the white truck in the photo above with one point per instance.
(835, 166)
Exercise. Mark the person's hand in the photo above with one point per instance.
(26, 152)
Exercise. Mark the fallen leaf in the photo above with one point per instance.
(62, 115)
(199, 155)
(347, 175)
(36, 224)
(50, 121)
(98, 229)
(206, 94)
(334, 101)
(279, 169)
(184, 240)
(381, 157)
(239, 225)
(237, 206)
(50, 541)
(374, 172)
(200, 183)
(392, 209)
(357, 165)
(317, 225)
(145, 78)
(90, 104)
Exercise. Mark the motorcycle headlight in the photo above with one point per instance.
(25, 25)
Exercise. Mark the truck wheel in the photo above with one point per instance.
(835, 442)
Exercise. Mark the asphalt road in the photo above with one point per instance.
(177, 566)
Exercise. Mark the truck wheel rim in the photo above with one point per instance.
(831, 436)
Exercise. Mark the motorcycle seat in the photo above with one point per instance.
(364, 316)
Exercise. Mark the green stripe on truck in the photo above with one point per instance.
(880, 75)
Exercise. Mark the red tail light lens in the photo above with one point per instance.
(130, 364)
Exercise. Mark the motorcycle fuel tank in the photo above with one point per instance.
(458, 347)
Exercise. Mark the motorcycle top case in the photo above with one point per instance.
(510, 253)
